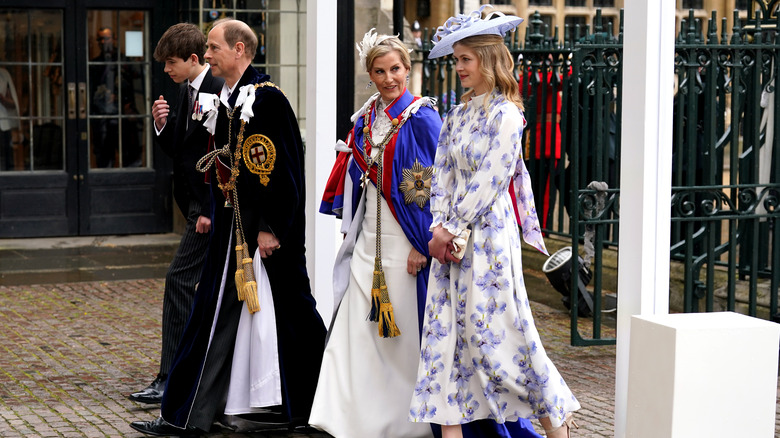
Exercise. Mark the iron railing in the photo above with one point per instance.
(726, 174)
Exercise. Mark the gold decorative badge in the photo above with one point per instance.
(260, 156)
(416, 184)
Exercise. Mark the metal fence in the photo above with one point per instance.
(726, 175)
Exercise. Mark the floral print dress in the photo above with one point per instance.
(481, 355)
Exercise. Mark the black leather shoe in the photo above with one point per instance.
(160, 427)
(153, 393)
(270, 421)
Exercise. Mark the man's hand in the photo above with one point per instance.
(160, 111)
(267, 243)
(203, 225)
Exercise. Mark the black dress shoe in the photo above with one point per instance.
(271, 421)
(153, 393)
(160, 427)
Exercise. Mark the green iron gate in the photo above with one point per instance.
(726, 175)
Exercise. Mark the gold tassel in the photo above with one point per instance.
(250, 292)
(240, 284)
(250, 285)
(240, 278)
(381, 307)
(387, 326)
(377, 284)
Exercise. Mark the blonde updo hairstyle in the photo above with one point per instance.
(496, 66)
(385, 47)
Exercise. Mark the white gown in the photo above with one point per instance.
(366, 381)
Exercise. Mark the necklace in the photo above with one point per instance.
(380, 148)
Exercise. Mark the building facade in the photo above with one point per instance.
(77, 80)
(560, 13)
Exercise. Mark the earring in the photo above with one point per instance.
(370, 83)
(407, 79)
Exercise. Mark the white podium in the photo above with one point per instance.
(702, 375)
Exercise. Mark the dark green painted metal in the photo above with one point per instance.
(723, 218)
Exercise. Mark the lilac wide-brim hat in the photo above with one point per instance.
(463, 26)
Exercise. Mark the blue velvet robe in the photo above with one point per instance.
(198, 381)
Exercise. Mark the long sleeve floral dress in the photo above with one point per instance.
(481, 355)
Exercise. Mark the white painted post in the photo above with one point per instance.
(645, 195)
(678, 363)
(320, 138)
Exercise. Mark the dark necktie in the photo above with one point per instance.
(191, 92)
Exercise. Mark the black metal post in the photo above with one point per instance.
(398, 18)
(345, 70)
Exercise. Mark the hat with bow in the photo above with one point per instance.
(463, 26)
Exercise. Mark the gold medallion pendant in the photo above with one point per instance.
(259, 155)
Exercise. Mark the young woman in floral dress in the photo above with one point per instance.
(481, 355)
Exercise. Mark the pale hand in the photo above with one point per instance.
(441, 247)
(415, 262)
(267, 243)
(203, 225)
(160, 110)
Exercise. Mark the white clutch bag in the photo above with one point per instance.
(460, 243)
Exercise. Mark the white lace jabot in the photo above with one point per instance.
(381, 125)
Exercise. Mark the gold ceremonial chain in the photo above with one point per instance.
(246, 284)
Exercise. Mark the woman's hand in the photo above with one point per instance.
(415, 262)
(441, 246)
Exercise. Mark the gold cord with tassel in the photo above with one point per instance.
(247, 289)
(246, 285)
(381, 308)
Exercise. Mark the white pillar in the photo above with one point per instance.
(320, 138)
(679, 368)
(645, 195)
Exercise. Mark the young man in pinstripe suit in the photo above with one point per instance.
(185, 139)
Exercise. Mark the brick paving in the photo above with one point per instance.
(70, 353)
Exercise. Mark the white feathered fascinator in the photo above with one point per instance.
(370, 40)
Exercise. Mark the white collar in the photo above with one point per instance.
(226, 93)
(199, 79)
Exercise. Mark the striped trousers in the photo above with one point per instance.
(180, 283)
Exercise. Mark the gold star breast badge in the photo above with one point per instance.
(416, 184)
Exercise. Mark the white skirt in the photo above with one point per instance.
(366, 381)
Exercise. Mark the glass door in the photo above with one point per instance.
(31, 92)
(118, 74)
(37, 195)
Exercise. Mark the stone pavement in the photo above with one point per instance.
(70, 351)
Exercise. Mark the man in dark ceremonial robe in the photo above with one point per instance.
(257, 184)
